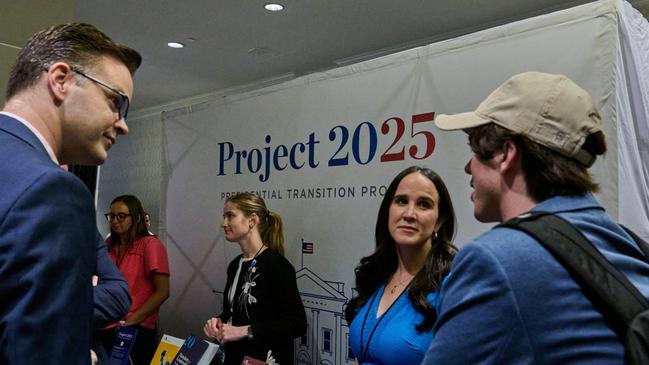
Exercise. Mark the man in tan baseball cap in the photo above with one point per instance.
(507, 299)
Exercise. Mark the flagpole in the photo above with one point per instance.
(302, 250)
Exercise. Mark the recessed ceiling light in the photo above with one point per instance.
(175, 45)
(274, 7)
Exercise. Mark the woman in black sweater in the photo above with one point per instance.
(262, 308)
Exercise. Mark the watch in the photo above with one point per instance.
(250, 336)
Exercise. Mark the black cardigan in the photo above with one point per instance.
(273, 308)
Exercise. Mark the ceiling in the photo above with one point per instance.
(234, 44)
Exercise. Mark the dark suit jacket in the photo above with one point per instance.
(47, 255)
(111, 297)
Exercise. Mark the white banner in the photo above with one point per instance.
(322, 148)
(632, 108)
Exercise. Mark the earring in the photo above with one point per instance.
(434, 235)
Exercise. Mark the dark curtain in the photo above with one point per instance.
(87, 174)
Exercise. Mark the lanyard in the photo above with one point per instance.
(365, 348)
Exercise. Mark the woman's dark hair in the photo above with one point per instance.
(271, 228)
(547, 172)
(376, 269)
(138, 228)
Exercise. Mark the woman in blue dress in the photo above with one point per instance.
(392, 317)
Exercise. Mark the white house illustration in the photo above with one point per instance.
(327, 337)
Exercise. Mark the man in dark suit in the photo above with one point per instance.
(111, 298)
(67, 97)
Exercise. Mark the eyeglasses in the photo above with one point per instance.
(119, 216)
(122, 104)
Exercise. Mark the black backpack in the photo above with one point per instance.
(623, 303)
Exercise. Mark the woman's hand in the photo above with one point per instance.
(223, 332)
(232, 333)
(213, 328)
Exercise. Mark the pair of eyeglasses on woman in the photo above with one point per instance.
(119, 216)
(122, 102)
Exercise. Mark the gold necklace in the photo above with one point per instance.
(399, 283)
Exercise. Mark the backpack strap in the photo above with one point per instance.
(644, 246)
(578, 255)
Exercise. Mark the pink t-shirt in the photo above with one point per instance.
(147, 256)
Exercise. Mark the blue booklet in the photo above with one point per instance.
(195, 352)
(124, 340)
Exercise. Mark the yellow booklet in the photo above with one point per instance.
(167, 350)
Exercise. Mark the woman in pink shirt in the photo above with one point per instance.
(142, 259)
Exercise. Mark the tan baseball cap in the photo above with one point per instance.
(548, 109)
